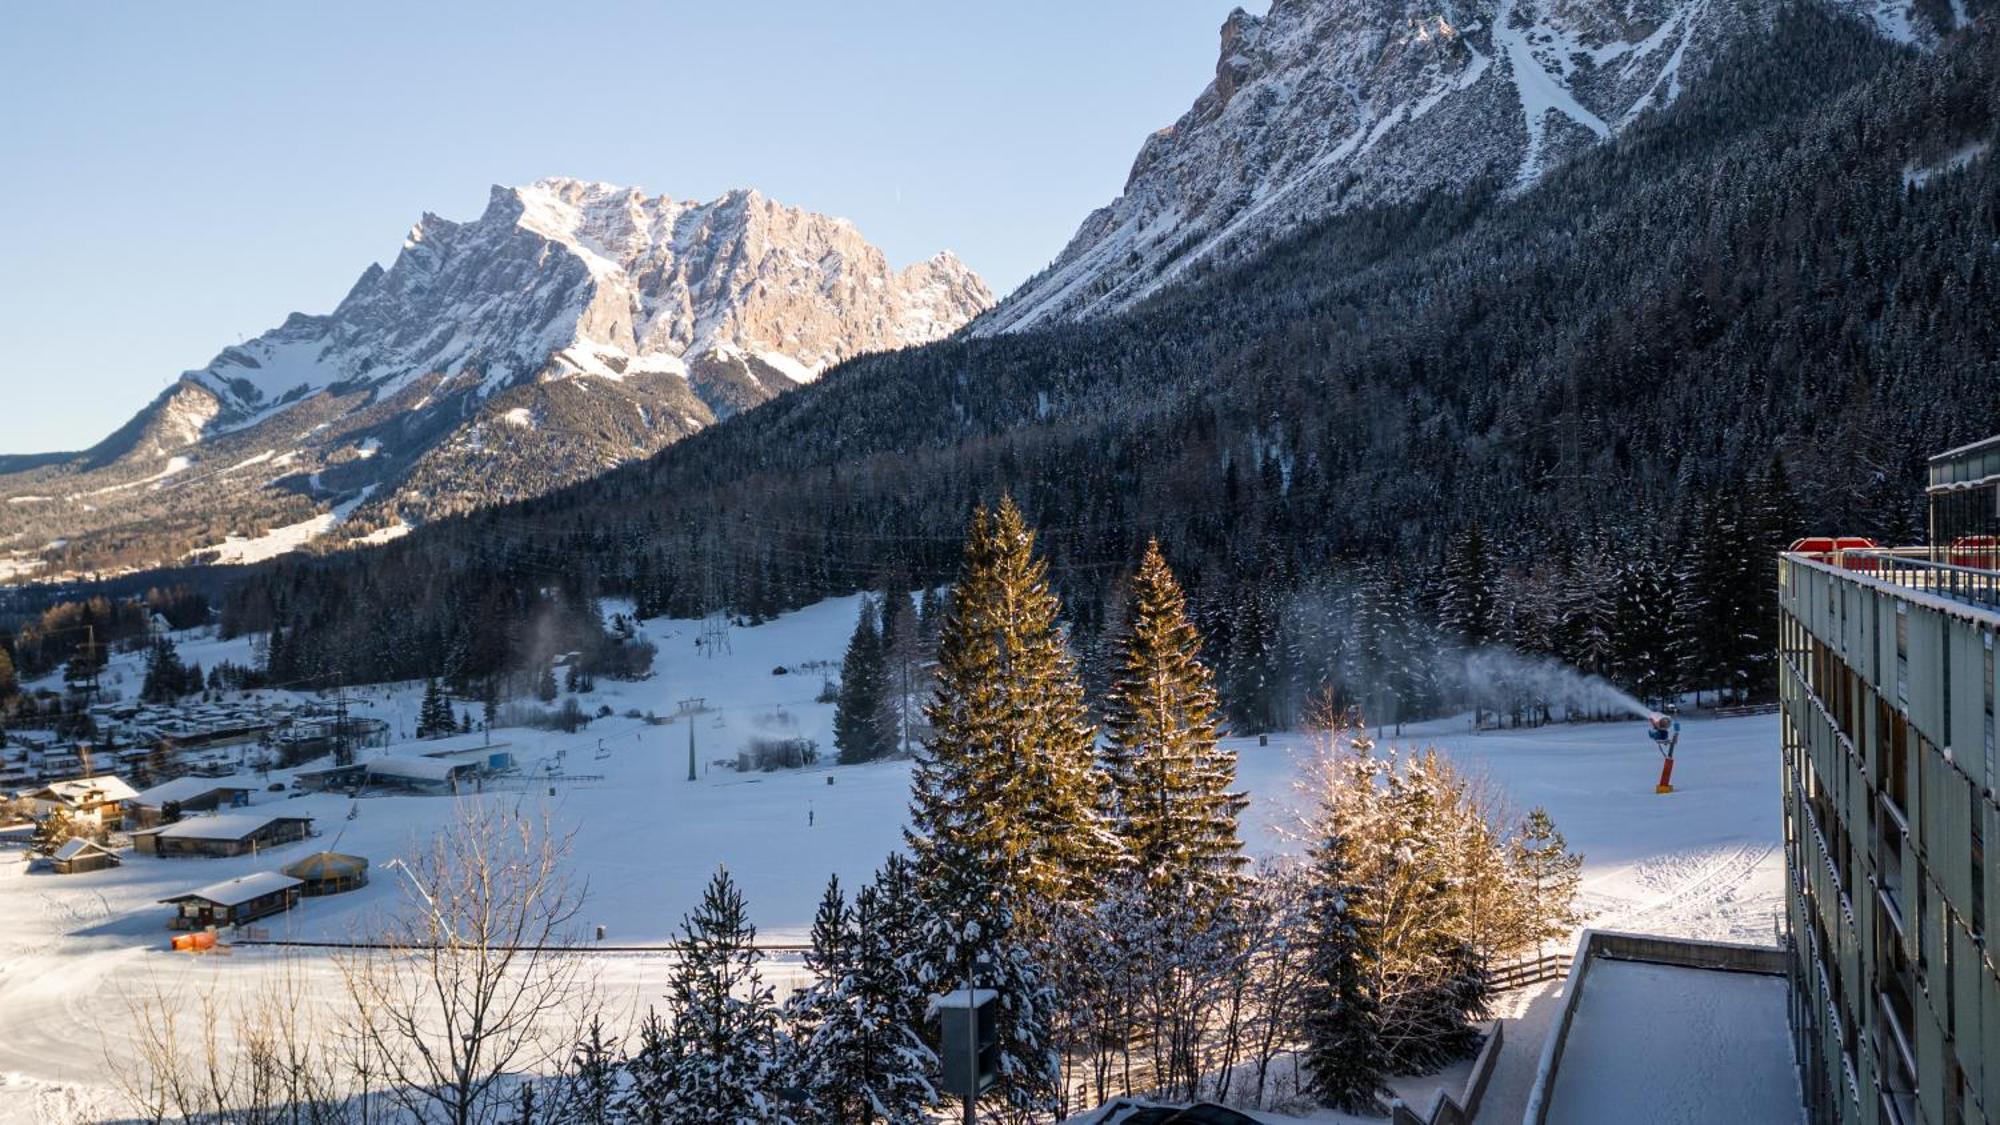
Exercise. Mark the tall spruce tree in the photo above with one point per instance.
(434, 713)
(1005, 793)
(1467, 608)
(1004, 807)
(858, 710)
(1344, 1060)
(904, 677)
(1167, 776)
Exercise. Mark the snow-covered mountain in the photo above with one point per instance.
(1324, 105)
(570, 327)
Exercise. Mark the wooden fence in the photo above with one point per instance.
(1521, 972)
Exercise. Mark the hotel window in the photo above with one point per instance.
(1876, 648)
(1902, 654)
(1990, 779)
(1978, 919)
(1944, 665)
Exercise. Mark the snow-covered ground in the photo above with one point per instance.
(1703, 861)
(1691, 1045)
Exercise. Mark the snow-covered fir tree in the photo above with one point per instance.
(1550, 876)
(860, 709)
(1167, 776)
(1433, 985)
(906, 680)
(1467, 609)
(1253, 668)
(1344, 1060)
(590, 1081)
(719, 1055)
(650, 1071)
(1642, 652)
(827, 960)
(434, 716)
(858, 1056)
(970, 939)
(1006, 791)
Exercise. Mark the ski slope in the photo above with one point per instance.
(74, 950)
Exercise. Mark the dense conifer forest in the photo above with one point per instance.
(1751, 315)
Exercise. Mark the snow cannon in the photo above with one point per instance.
(1665, 731)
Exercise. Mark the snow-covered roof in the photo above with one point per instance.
(327, 865)
(232, 826)
(237, 891)
(184, 788)
(77, 790)
(416, 769)
(76, 847)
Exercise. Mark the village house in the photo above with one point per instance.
(80, 855)
(234, 901)
(435, 773)
(98, 801)
(226, 834)
(15, 775)
(192, 794)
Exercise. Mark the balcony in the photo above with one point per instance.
(1924, 570)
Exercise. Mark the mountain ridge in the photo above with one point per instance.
(1318, 108)
(571, 326)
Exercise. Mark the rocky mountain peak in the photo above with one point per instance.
(1325, 105)
(571, 326)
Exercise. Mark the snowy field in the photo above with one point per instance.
(75, 950)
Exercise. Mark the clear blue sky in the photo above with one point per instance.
(179, 175)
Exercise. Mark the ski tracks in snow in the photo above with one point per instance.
(1703, 895)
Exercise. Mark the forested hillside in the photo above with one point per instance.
(1752, 313)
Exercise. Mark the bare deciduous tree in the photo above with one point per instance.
(257, 1059)
(472, 984)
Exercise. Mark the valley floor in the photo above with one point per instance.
(76, 952)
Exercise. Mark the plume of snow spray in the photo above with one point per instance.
(1501, 679)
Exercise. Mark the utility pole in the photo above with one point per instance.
(690, 708)
(971, 1042)
(90, 649)
(343, 754)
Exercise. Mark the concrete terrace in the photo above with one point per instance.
(1670, 1045)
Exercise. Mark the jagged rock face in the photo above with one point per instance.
(1325, 105)
(571, 327)
(566, 278)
